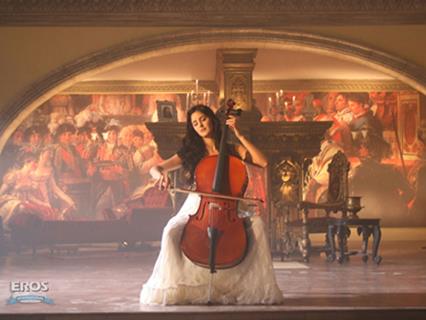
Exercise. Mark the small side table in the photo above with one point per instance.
(365, 228)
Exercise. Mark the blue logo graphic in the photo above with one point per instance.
(30, 298)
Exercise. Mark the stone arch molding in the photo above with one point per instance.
(69, 74)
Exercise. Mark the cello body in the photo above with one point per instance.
(215, 234)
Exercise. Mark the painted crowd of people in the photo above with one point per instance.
(378, 172)
(90, 166)
(74, 172)
(352, 114)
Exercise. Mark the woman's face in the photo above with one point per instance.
(202, 124)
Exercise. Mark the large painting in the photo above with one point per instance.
(378, 131)
(85, 157)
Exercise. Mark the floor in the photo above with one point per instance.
(99, 280)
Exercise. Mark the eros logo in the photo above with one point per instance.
(25, 286)
(28, 292)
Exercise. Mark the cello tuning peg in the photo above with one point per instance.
(230, 103)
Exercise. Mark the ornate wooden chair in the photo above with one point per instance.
(338, 201)
(337, 195)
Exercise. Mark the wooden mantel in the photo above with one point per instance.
(297, 140)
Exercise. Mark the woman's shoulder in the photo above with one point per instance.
(240, 152)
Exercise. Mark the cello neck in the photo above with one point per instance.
(220, 175)
(220, 180)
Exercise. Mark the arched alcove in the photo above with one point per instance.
(69, 74)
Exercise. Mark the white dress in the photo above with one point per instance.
(177, 280)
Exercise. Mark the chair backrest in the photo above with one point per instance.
(338, 170)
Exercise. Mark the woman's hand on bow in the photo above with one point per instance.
(161, 177)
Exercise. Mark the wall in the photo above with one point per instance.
(28, 54)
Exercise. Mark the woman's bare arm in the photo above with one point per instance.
(160, 171)
(246, 145)
(256, 155)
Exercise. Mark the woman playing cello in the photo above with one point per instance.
(176, 279)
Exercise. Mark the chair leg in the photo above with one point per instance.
(331, 243)
(306, 242)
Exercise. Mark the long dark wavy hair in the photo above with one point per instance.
(193, 148)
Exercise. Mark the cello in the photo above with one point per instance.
(215, 237)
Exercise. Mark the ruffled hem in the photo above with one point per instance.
(194, 295)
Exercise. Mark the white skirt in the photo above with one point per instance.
(177, 280)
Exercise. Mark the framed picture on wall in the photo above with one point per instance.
(166, 111)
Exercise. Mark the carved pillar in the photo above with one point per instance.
(234, 75)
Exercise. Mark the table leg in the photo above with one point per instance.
(341, 236)
(365, 232)
(377, 236)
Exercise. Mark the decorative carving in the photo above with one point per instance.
(293, 140)
(259, 86)
(286, 183)
(327, 85)
(338, 171)
(237, 67)
(141, 87)
(238, 90)
(211, 13)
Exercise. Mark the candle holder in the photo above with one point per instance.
(197, 97)
(353, 205)
(281, 104)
